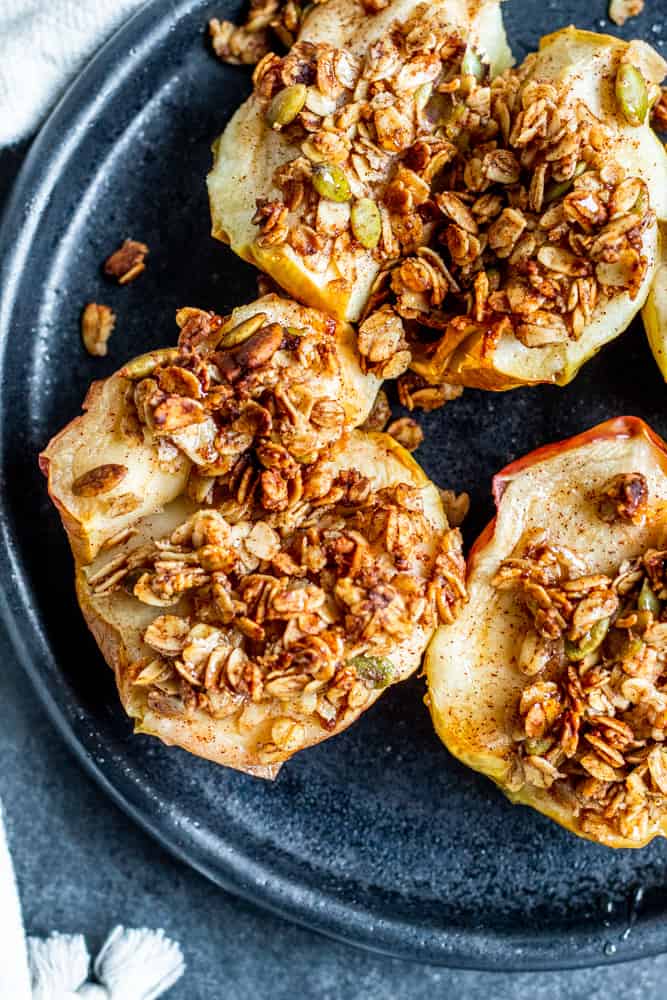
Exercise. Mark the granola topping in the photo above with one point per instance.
(591, 721)
(528, 223)
(126, 263)
(301, 614)
(252, 403)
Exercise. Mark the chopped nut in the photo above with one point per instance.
(97, 323)
(625, 498)
(407, 432)
(126, 263)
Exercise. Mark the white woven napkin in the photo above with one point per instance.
(43, 44)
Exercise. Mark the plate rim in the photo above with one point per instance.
(518, 950)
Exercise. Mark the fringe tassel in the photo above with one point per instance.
(132, 965)
(58, 965)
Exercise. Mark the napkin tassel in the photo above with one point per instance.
(132, 965)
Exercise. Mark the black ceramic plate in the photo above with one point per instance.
(378, 836)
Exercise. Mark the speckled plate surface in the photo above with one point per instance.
(378, 836)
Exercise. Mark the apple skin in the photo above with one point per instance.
(472, 687)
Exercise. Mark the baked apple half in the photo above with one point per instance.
(275, 380)
(553, 679)
(544, 237)
(324, 175)
(244, 634)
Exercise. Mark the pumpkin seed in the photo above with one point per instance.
(330, 182)
(471, 65)
(557, 190)
(366, 222)
(377, 670)
(239, 333)
(286, 105)
(537, 747)
(588, 643)
(632, 94)
(647, 601)
(143, 365)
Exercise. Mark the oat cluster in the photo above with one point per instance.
(591, 721)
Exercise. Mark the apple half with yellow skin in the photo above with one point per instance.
(250, 151)
(474, 666)
(255, 725)
(106, 469)
(585, 66)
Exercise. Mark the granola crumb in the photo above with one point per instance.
(407, 432)
(237, 45)
(415, 393)
(126, 263)
(97, 324)
(621, 11)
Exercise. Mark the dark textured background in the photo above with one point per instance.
(81, 864)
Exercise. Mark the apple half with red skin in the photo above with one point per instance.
(473, 666)
(153, 466)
